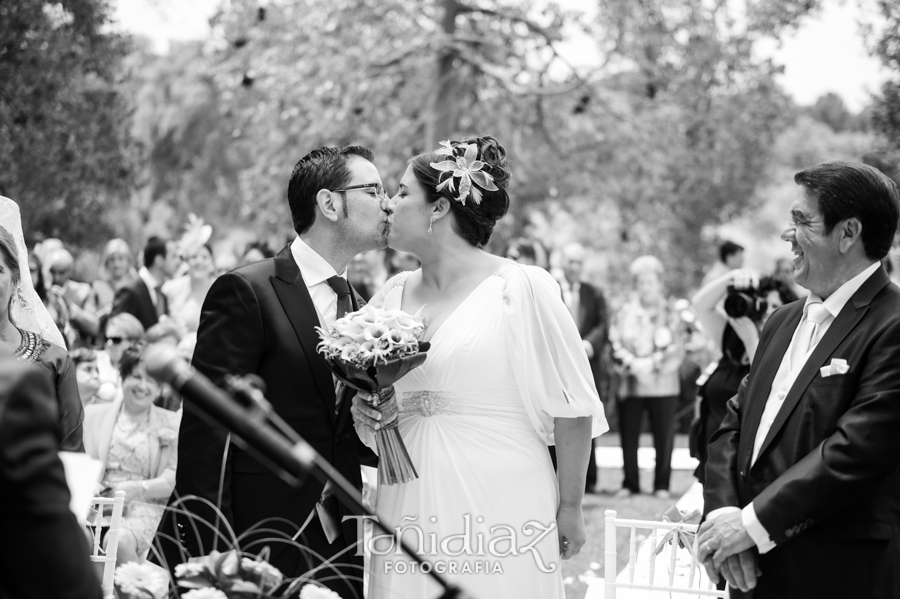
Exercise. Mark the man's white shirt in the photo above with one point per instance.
(316, 272)
(152, 285)
(781, 385)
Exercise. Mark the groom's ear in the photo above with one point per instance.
(329, 204)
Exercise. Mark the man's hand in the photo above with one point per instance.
(740, 571)
(723, 537)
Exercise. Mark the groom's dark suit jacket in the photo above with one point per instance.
(261, 319)
(826, 483)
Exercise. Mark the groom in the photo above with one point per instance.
(261, 319)
(804, 473)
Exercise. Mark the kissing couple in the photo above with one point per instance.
(506, 376)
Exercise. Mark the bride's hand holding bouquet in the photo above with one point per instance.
(369, 350)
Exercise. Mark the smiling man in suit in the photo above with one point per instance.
(803, 481)
(261, 319)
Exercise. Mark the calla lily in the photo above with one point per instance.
(469, 171)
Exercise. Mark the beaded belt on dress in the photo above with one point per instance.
(429, 403)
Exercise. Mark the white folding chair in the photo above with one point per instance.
(107, 557)
(674, 575)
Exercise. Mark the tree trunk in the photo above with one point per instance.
(442, 114)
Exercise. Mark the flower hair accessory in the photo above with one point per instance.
(467, 168)
(196, 235)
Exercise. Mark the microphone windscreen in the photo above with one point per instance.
(163, 363)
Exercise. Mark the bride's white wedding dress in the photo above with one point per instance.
(477, 417)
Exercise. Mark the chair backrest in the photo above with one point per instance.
(679, 572)
(107, 556)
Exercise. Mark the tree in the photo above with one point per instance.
(66, 153)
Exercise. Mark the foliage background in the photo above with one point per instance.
(681, 135)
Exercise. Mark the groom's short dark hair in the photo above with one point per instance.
(324, 168)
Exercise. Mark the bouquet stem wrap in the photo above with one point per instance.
(394, 463)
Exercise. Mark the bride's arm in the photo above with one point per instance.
(573, 450)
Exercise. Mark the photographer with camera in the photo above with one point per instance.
(748, 303)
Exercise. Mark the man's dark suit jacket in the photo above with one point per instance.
(826, 483)
(135, 299)
(593, 325)
(44, 552)
(261, 319)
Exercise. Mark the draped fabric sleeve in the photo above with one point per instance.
(546, 354)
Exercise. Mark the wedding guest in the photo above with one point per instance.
(256, 251)
(116, 271)
(736, 339)
(44, 553)
(645, 343)
(803, 479)
(122, 331)
(30, 346)
(400, 262)
(87, 375)
(166, 331)
(731, 257)
(143, 297)
(587, 306)
(522, 251)
(56, 306)
(185, 294)
(358, 276)
(138, 445)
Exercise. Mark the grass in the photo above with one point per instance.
(642, 507)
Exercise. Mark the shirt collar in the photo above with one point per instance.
(837, 300)
(314, 267)
(148, 278)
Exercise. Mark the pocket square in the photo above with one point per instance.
(837, 366)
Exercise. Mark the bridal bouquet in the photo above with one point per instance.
(369, 350)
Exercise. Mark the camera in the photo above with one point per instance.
(744, 302)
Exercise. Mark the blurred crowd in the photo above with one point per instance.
(676, 359)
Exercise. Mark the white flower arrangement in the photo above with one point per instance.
(144, 581)
(205, 593)
(312, 591)
(371, 336)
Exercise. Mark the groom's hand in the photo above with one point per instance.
(363, 413)
(740, 571)
(723, 537)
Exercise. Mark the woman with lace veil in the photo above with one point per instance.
(27, 330)
(506, 376)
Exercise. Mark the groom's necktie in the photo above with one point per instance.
(342, 288)
(816, 314)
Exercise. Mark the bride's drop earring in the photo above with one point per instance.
(431, 225)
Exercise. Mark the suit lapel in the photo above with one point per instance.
(763, 376)
(298, 306)
(845, 322)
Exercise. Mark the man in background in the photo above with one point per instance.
(731, 256)
(143, 298)
(588, 308)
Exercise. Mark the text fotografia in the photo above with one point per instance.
(503, 541)
(444, 567)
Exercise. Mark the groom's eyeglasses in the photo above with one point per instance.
(377, 189)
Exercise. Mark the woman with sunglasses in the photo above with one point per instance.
(122, 332)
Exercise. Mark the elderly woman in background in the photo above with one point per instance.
(649, 349)
(30, 346)
(116, 271)
(138, 445)
(85, 361)
(122, 331)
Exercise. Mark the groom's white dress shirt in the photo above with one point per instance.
(781, 385)
(316, 271)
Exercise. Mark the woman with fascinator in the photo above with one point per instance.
(27, 331)
(185, 294)
(506, 376)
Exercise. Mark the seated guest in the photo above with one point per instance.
(85, 325)
(143, 298)
(30, 346)
(45, 553)
(137, 443)
(122, 331)
(167, 331)
(85, 361)
(256, 251)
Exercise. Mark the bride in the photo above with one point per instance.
(505, 377)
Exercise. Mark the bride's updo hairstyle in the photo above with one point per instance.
(474, 216)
